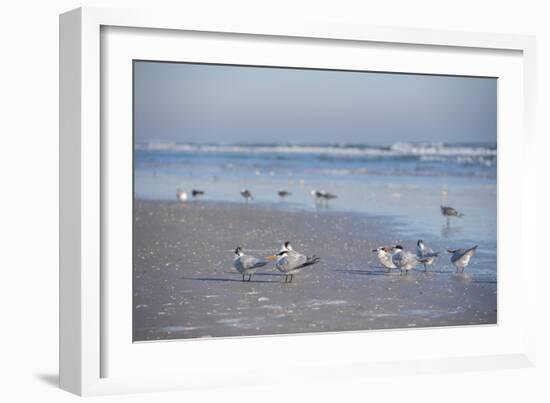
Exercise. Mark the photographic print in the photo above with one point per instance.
(274, 200)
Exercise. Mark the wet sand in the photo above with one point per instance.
(185, 286)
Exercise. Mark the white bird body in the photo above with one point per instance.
(460, 258)
(182, 196)
(246, 264)
(404, 260)
(385, 257)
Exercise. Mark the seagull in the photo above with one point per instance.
(446, 210)
(450, 212)
(246, 264)
(290, 262)
(181, 195)
(460, 258)
(246, 194)
(403, 260)
(425, 254)
(283, 193)
(197, 193)
(385, 257)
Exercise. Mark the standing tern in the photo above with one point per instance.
(246, 264)
(403, 260)
(425, 255)
(290, 262)
(385, 257)
(460, 258)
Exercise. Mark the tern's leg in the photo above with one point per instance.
(406, 272)
(249, 277)
(291, 277)
(425, 268)
(243, 276)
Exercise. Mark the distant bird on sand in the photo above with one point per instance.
(246, 264)
(322, 196)
(246, 194)
(283, 193)
(197, 193)
(290, 262)
(424, 254)
(450, 212)
(446, 210)
(181, 195)
(403, 260)
(460, 258)
(385, 257)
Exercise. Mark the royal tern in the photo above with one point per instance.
(290, 262)
(403, 260)
(246, 264)
(460, 258)
(424, 254)
(385, 257)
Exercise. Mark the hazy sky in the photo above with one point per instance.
(234, 104)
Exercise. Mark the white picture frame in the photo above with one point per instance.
(93, 349)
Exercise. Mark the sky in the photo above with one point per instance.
(181, 102)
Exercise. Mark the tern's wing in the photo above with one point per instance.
(457, 255)
(296, 259)
(250, 262)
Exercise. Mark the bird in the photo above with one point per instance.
(181, 195)
(385, 257)
(246, 264)
(425, 255)
(322, 196)
(450, 212)
(446, 210)
(283, 193)
(460, 258)
(247, 194)
(290, 262)
(197, 193)
(403, 260)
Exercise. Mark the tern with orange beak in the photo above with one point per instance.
(290, 262)
(384, 256)
(246, 264)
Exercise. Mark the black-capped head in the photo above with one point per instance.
(238, 251)
(398, 247)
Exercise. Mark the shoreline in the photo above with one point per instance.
(184, 287)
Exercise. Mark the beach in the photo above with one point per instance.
(185, 285)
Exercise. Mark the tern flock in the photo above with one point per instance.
(290, 262)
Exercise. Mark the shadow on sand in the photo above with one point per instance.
(238, 278)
